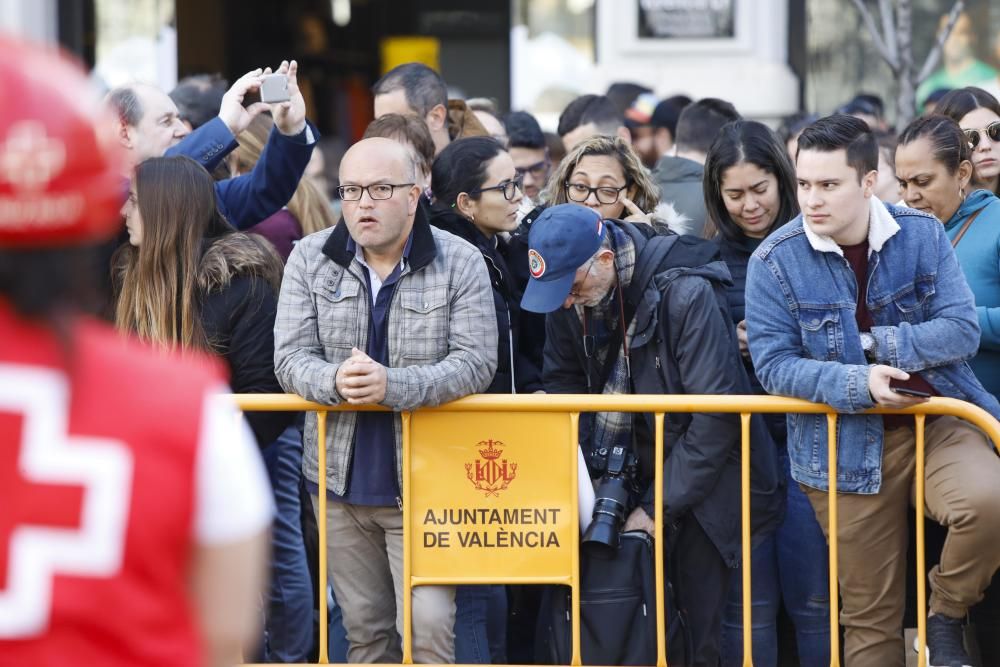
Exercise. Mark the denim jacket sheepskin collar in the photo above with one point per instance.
(801, 298)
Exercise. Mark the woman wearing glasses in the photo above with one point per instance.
(605, 174)
(978, 114)
(477, 194)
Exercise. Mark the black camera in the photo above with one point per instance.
(617, 484)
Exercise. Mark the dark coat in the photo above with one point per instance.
(736, 254)
(527, 373)
(684, 343)
(238, 307)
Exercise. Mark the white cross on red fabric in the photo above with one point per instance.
(64, 500)
(29, 158)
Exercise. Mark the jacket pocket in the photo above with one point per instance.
(820, 330)
(911, 302)
(338, 313)
(423, 327)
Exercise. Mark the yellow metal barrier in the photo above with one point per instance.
(573, 405)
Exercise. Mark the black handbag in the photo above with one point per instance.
(617, 610)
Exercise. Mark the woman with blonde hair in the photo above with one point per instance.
(307, 211)
(605, 174)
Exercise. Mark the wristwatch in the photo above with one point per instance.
(868, 345)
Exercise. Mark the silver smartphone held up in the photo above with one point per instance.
(274, 88)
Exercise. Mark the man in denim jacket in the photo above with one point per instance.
(848, 301)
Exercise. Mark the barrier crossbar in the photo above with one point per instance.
(659, 405)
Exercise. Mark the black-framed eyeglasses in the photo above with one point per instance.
(376, 191)
(580, 193)
(508, 188)
(536, 170)
(992, 131)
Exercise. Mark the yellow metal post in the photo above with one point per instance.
(745, 501)
(831, 429)
(574, 429)
(407, 551)
(921, 556)
(324, 655)
(661, 535)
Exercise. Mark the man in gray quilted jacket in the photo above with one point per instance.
(381, 309)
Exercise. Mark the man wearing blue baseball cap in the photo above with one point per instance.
(634, 312)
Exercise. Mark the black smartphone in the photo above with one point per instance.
(915, 393)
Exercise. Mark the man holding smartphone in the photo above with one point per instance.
(859, 304)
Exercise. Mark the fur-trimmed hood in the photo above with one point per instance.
(238, 254)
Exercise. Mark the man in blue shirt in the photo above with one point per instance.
(148, 125)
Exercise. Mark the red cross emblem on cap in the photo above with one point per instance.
(29, 158)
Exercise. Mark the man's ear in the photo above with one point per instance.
(413, 199)
(868, 183)
(623, 132)
(606, 257)
(437, 118)
(124, 134)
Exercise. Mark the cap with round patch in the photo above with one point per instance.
(561, 240)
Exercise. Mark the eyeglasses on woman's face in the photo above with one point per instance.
(992, 131)
(377, 191)
(508, 188)
(580, 192)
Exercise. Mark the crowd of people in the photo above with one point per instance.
(657, 247)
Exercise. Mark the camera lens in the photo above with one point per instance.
(609, 513)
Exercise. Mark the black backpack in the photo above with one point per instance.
(617, 609)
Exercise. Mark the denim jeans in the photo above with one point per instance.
(788, 567)
(480, 625)
(289, 619)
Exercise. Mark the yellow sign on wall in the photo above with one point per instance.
(490, 495)
(410, 49)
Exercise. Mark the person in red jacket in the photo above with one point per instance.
(133, 505)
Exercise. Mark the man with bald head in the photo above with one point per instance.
(381, 309)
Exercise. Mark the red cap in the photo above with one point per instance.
(60, 167)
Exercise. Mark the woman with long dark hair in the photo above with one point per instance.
(750, 191)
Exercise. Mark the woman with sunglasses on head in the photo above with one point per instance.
(477, 194)
(978, 114)
(750, 191)
(605, 174)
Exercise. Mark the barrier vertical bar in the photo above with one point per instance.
(574, 433)
(921, 555)
(831, 445)
(661, 529)
(324, 654)
(745, 506)
(407, 551)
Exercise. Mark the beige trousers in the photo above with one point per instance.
(365, 566)
(962, 493)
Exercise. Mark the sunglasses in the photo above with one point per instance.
(992, 131)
